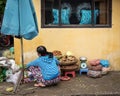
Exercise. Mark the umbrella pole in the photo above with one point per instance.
(22, 57)
(21, 77)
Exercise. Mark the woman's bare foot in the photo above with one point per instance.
(39, 85)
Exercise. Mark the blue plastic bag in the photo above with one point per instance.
(104, 63)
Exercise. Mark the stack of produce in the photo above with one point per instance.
(98, 68)
(68, 63)
(95, 68)
(95, 65)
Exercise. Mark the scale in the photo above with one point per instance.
(83, 65)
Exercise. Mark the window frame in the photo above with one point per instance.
(109, 25)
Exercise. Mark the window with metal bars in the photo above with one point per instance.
(76, 13)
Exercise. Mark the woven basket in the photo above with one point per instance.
(68, 60)
(69, 68)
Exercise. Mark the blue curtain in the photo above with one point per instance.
(64, 16)
(86, 16)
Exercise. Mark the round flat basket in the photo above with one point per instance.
(69, 68)
(67, 62)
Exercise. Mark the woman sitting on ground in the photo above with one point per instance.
(45, 69)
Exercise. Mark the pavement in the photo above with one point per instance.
(81, 85)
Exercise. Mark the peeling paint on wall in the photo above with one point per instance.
(114, 59)
(29, 56)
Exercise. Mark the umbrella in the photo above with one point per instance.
(20, 21)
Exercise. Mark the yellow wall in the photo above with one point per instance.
(102, 43)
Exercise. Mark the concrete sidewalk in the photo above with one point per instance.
(81, 85)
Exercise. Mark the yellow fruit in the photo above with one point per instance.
(10, 89)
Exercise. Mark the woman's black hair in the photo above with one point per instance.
(43, 51)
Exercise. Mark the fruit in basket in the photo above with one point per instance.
(69, 53)
(68, 60)
(57, 54)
